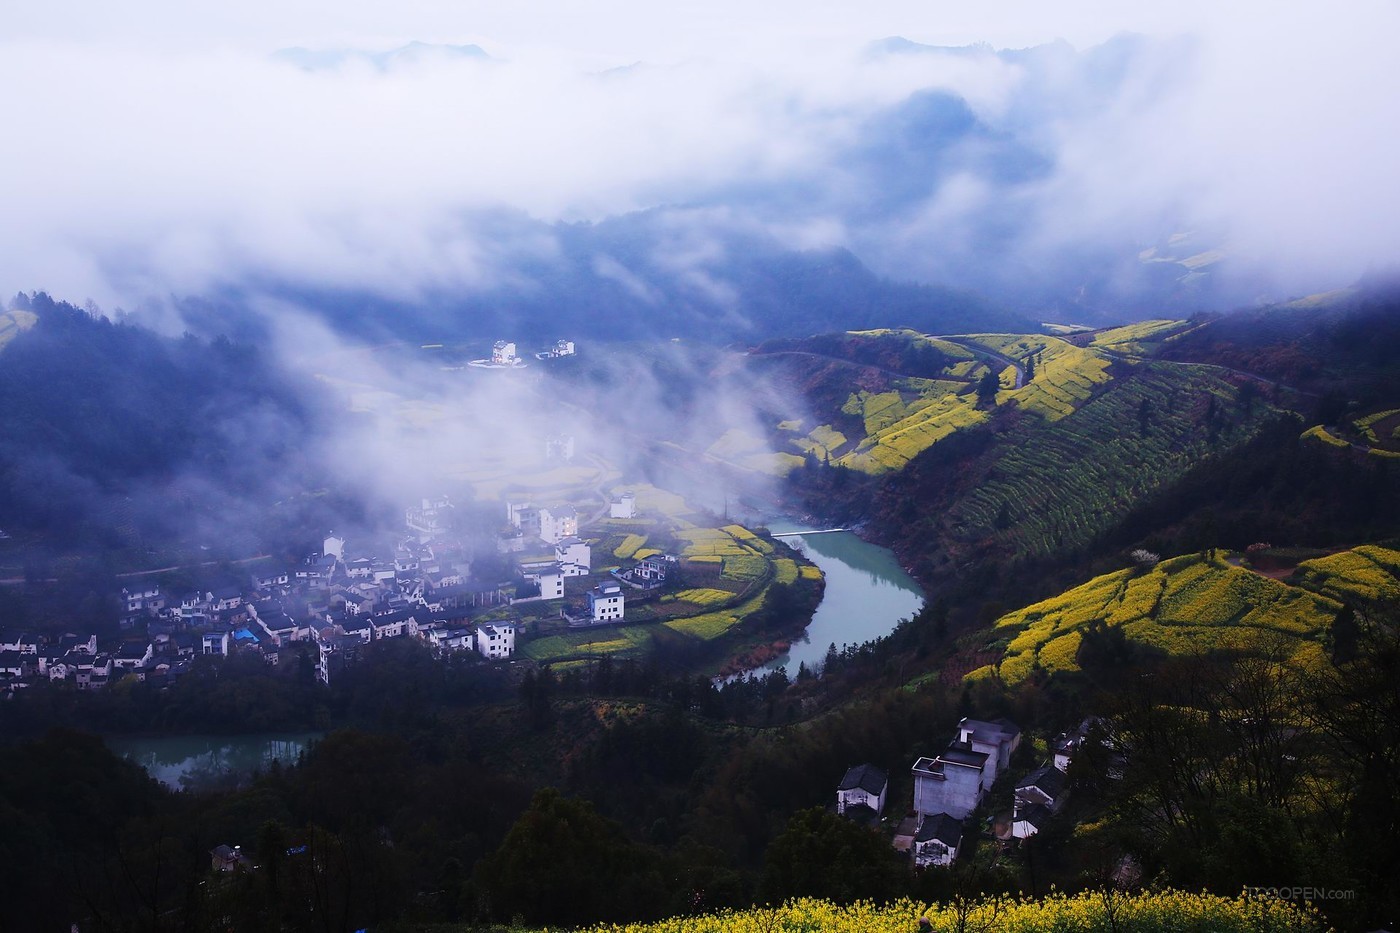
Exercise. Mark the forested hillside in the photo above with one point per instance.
(112, 435)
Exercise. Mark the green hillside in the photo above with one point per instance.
(1197, 603)
(1056, 484)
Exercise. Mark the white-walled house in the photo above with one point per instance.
(863, 786)
(333, 546)
(954, 781)
(549, 577)
(574, 555)
(624, 506)
(214, 643)
(558, 523)
(938, 840)
(949, 783)
(997, 740)
(605, 602)
(655, 568)
(496, 640)
(503, 353)
(1039, 795)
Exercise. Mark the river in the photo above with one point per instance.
(194, 762)
(867, 594)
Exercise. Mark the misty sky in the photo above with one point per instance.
(155, 148)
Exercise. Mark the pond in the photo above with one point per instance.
(197, 762)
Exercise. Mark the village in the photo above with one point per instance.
(340, 599)
(951, 791)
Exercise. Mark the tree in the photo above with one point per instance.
(987, 388)
(563, 864)
(824, 855)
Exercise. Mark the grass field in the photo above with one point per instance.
(1197, 603)
(629, 546)
(619, 640)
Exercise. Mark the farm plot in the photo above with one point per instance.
(1114, 455)
(1365, 575)
(1185, 605)
(1065, 375)
(622, 641)
(1140, 338)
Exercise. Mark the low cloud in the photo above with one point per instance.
(138, 169)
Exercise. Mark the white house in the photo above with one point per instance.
(624, 506)
(938, 840)
(333, 546)
(654, 570)
(863, 786)
(558, 523)
(139, 598)
(496, 640)
(430, 518)
(605, 602)
(449, 638)
(574, 555)
(949, 783)
(997, 740)
(559, 447)
(549, 578)
(503, 353)
(225, 598)
(133, 654)
(214, 643)
(1039, 795)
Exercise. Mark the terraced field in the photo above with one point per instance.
(886, 421)
(1142, 433)
(1197, 603)
(1139, 339)
(1065, 375)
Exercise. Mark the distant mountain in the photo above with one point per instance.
(654, 274)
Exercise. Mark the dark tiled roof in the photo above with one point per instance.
(1046, 778)
(1036, 815)
(942, 827)
(865, 777)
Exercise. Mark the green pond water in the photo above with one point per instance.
(190, 762)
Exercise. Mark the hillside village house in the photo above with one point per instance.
(503, 353)
(1039, 795)
(559, 447)
(605, 603)
(575, 557)
(558, 523)
(950, 785)
(496, 640)
(548, 576)
(938, 841)
(624, 506)
(864, 787)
